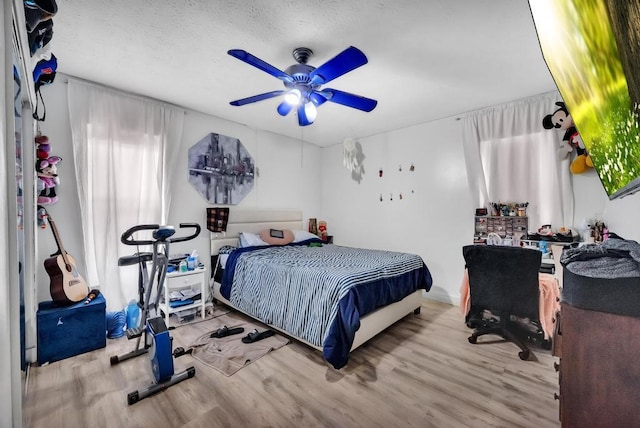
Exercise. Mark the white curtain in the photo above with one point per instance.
(124, 149)
(510, 157)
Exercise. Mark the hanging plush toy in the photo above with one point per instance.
(47, 179)
(561, 119)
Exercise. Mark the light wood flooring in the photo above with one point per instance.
(420, 372)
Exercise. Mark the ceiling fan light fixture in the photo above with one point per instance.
(310, 111)
(293, 97)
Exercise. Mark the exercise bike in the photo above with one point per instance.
(157, 341)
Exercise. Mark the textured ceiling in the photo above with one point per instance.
(428, 59)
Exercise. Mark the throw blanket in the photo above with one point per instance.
(320, 293)
(549, 301)
(614, 258)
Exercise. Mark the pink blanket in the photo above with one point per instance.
(549, 300)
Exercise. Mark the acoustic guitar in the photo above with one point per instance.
(66, 286)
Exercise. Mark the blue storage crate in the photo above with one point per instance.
(65, 331)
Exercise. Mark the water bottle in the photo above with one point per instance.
(191, 263)
(133, 314)
(542, 246)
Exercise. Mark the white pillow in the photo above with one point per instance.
(302, 235)
(248, 239)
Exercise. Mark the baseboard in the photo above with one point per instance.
(440, 295)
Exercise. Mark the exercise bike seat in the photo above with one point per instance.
(135, 259)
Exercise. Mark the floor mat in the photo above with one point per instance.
(229, 354)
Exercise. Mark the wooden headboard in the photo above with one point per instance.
(254, 221)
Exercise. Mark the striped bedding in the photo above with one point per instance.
(319, 293)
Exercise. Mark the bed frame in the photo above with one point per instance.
(259, 220)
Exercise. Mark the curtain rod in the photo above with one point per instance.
(66, 78)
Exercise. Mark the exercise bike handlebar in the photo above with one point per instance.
(127, 236)
(195, 226)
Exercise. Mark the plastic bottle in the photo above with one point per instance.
(192, 260)
(182, 267)
(191, 263)
(133, 314)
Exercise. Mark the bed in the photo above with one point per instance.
(330, 297)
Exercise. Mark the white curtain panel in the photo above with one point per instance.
(124, 149)
(510, 157)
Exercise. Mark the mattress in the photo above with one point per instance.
(319, 293)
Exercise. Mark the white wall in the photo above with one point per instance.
(289, 178)
(591, 202)
(434, 221)
(435, 217)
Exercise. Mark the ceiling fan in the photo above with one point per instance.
(303, 81)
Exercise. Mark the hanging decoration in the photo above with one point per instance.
(353, 158)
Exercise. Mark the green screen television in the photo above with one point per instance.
(592, 49)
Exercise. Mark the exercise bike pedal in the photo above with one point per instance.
(180, 351)
(134, 332)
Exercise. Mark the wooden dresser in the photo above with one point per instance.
(599, 369)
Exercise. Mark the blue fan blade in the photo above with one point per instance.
(284, 108)
(255, 98)
(349, 59)
(349, 100)
(302, 116)
(258, 63)
(317, 98)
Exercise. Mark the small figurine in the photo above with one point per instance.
(92, 295)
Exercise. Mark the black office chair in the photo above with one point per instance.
(504, 281)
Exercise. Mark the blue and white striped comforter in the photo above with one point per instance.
(319, 293)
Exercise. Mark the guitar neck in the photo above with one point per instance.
(61, 249)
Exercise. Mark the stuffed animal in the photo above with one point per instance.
(42, 217)
(47, 197)
(47, 179)
(561, 119)
(42, 147)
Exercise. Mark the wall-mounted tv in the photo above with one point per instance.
(592, 49)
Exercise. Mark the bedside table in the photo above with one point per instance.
(191, 280)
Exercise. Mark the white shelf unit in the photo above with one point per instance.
(189, 280)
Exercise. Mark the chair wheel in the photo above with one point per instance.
(473, 339)
(524, 355)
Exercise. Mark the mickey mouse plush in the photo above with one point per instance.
(561, 119)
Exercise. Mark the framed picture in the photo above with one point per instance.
(221, 169)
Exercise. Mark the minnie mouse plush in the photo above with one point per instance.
(47, 179)
(561, 119)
